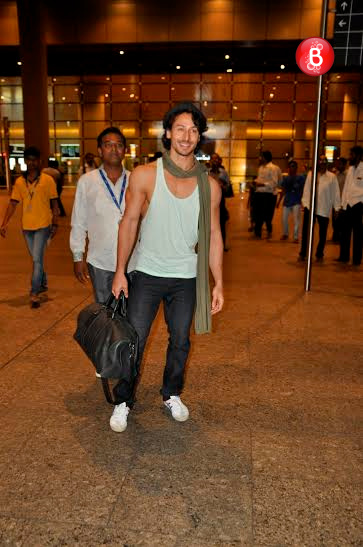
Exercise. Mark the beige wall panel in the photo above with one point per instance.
(121, 28)
(283, 24)
(9, 34)
(183, 28)
(249, 26)
(310, 23)
(152, 28)
(217, 26)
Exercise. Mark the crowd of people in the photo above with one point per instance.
(339, 196)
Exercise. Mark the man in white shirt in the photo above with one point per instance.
(269, 176)
(98, 207)
(352, 203)
(327, 197)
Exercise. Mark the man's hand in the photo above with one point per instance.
(3, 230)
(120, 284)
(80, 271)
(53, 230)
(217, 299)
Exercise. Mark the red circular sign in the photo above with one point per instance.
(314, 56)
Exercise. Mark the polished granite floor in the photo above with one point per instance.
(271, 455)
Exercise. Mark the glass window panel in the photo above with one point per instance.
(125, 111)
(67, 130)
(126, 92)
(246, 130)
(222, 148)
(93, 129)
(90, 145)
(246, 111)
(149, 147)
(129, 129)
(50, 112)
(216, 92)
(247, 92)
(155, 92)
(280, 150)
(361, 113)
(306, 92)
(157, 78)
(217, 111)
(257, 77)
(218, 130)
(238, 148)
(302, 149)
(16, 130)
(152, 129)
(188, 92)
(154, 111)
(277, 130)
(50, 94)
(221, 77)
(305, 111)
(279, 92)
(301, 77)
(97, 93)
(66, 79)
(185, 78)
(253, 152)
(341, 77)
(279, 77)
(68, 111)
(97, 111)
(125, 79)
(278, 111)
(52, 147)
(66, 93)
(11, 94)
(11, 80)
(345, 91)
(303, 130)
(96, 79)
(12, 111)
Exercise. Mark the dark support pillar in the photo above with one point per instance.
(33, 51)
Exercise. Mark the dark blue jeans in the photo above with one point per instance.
(146, 292)
(36, 241)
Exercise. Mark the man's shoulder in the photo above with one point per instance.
(144, 173)
(46, 178)
(19, 181)
(88, 178)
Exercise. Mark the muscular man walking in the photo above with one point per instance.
(179, 204)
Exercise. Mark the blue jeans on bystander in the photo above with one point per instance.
(36, 241)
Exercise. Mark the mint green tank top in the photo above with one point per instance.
(168, 233)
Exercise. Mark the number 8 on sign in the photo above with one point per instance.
(315, 56)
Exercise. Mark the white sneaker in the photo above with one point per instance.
(178, 410)
(98, 375)
(118, 420)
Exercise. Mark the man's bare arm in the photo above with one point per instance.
(216, 248)
(136, 196)
(8, 214)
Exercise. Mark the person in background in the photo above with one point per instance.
(216, 163)
(341, 173)
(268, 178)
(352, 204)
(292, 189)
(223, 211)
(37, 193)
(327, 198)
(58, 176)
(88, 165)
(98, 208)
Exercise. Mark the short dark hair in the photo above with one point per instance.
(53, 163)
(109, 130)
(292, 162)
(185, 107)
(343, 160)
(267, 155)
(32, 151)
(357, 150)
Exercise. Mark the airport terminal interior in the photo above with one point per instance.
(272, 452)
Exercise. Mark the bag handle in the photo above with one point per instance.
(120, 304)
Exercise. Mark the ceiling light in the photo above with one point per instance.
(124, 89)
(338, 76)
(229, 70)
(121, 52)
(205, 103)
(54, 79)
(132, 95)
(282, 67)
(177, 67)
(226, 56)
(271, 95)
(2, 97)
(2, 80)
(19, 63)
(163, 77)
(219, 77)
(63, 98)
(278, 77)
(106, 95)
(235, 107)
(108, 78)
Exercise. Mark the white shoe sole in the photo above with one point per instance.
(179, 418)
(118, 428)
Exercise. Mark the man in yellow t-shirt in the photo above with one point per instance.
(38, 194)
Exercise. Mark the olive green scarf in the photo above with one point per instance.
(202, 320)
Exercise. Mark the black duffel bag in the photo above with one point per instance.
(108, 340)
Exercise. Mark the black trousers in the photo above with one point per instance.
(352, 221)
(264, 207)
(323, 230)
(146, 292)
(101, 283)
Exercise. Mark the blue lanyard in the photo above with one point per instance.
(118, 204)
